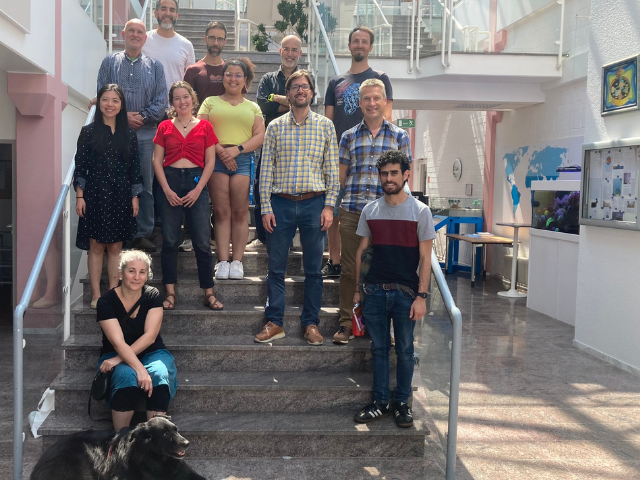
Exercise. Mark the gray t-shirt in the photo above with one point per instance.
(395, 232)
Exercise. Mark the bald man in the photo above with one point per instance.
(145, 92)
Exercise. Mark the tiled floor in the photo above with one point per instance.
(531, 405)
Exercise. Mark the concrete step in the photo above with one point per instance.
(240, 392)
(251, 290)
(304, 435)
(196, 319)
(200, 353)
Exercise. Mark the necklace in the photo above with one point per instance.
(184, 127)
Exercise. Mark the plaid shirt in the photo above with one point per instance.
(360, 151)
(299, 158)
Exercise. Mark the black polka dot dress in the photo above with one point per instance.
(109, 182)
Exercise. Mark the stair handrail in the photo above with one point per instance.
(315, 17)
(454, 378)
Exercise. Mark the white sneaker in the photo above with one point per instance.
(255, 245)
(186, 246)
(222, 270)
(236, 271)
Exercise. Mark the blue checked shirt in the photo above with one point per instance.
(141, 80)
(360, 151)
(299, 158)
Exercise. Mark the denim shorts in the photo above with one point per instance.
(244, 165)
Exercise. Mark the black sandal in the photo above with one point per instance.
(172, 305)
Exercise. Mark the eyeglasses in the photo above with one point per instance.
(304, 87)
(290, 50)
(237, 76)
(213, 39)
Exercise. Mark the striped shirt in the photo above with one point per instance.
(141, 80)
(359, 151)
(299, 158)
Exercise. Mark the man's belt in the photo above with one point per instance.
(397, 286)
(300, 196)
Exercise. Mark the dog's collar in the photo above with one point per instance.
(110, 451)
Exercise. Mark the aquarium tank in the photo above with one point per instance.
(555, 211)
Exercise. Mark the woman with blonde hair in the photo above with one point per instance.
(183, 159)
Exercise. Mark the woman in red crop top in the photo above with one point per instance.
(183, 159)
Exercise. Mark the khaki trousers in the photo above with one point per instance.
(350, 241)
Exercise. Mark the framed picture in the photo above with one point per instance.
(620, 86)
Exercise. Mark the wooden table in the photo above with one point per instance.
(478, 241)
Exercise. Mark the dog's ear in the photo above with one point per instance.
(141, 432)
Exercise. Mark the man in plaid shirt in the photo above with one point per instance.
(360, 148)
(298, 189)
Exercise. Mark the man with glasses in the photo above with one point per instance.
(298, 189)
(273, 102)
(145, 92)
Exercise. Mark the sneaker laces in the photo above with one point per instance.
(342, 329)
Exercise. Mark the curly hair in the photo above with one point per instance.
(396, 157)
(247, 67)
(182, 84)
(132, 256)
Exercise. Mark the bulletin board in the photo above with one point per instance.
(610, 193)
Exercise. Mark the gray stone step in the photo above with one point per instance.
(196, 319)
(239, 392)
(199, 353)
(305, 435)
(251, 290)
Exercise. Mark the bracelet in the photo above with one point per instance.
(79, 197)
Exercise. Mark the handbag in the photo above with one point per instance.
(101, 384)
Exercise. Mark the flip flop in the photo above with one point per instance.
(216, 304)
(172, 305)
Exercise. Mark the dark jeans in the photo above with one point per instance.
(261, 233)
(182, 181)
(380, 307)
(304, 215)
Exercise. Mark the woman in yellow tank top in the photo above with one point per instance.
(239, 126)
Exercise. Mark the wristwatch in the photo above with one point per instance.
(422, 295)
(241, 148)
(271, 97)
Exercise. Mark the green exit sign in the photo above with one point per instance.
(407, 122)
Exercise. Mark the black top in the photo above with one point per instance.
(271, 82)
(110, 306)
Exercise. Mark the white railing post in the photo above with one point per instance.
(560, 41)
(418, 38)
(66, 265)
(412, 30)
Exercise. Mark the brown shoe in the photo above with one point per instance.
(313, 335)
(271, 331)
(343, 335)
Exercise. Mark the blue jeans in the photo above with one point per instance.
(182, 181)
(261, 233)
(380, 307)
(304, 215)
(145, 220)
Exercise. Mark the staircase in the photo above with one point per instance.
(401, 35)
(282, 410)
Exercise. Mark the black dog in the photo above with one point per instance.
(150, 451)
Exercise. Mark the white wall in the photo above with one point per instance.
(608, 303)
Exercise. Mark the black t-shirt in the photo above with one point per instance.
(343, 93)
(110, 306)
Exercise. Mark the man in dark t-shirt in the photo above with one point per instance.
(341, 106)
(205, 76)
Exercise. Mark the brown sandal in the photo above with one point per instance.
(172, 305)
(216, 305)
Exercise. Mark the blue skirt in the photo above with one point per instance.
(159, 364)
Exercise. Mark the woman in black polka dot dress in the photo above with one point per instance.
(107, 181)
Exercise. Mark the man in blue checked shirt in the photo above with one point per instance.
(145, 92)
(298, 189)
(360, 148)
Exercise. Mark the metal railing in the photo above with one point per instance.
(454, 377)
(316, 30)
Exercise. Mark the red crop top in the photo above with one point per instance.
(191, 147)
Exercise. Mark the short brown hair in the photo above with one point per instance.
(216, 25)
(362, 28)
(297, 74)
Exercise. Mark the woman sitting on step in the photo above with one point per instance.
(183, 159)
(132, 349)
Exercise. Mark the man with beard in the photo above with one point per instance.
(400, 229)
(298, 189)
(205, 76)
(341, 106)
(167, 46)
(274, 103)
(360, 148)
(143, 83)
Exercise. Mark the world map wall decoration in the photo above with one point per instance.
(620, 86)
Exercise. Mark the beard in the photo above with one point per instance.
(301, 103)
(358, 57)
(214, 51)
(392, 189)
(166, 23)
